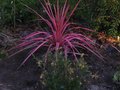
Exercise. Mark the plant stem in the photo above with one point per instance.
(14, 15)
(56, 55)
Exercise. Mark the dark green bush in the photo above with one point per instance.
(13, 9)
(109, 25)
(13, 12)
(108, 17)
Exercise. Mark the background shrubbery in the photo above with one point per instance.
(101, 15)
(13, 12)
(108, 18)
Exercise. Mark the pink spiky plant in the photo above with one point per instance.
(61, 34)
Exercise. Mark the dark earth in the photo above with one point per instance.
(27, 77)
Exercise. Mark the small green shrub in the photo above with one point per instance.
(116, 77)
(63, 74)
(2, 54)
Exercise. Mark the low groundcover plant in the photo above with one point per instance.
(60, 36)
(61, 74)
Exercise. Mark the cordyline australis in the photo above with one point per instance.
(61, 35)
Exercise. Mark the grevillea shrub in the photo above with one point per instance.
(62, 74)
(60, 35)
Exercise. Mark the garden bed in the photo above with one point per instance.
(28, 76)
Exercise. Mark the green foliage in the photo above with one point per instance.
(108, 17)
(12, 8)
(109, 7)
(12, 11)
(6, 11)
(63, 74)
(108, 24)
(116, 77)
(2, 55)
